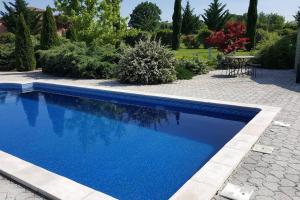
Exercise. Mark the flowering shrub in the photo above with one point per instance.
(230, 39)
(147, 63)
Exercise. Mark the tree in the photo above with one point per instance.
(251, 23)
(71, 33)
(177, 23)
(215, 17)
(190, 22)
(145, 16)
(24, 50)
(270, 22)
(13, 10)
(95, 21)
(297, 17)
(49, 36)
(229, 39)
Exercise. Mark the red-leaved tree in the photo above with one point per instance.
(230, 39)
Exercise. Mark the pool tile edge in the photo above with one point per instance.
(227, 159)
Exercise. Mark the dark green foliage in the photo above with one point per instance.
(182, 73)
(71, 34)
(190, 22)
(147, 63)
(165, 36)
(49, 37)
(297, 17)
(76, 60)
(145, 17)
(7, 47)
(251, 23)
(216, 16)
(191, 41)
(7, 38)
(13, 10)
(134, 36)
(165, 25)
(24, 49)
(187, 68)
(203, 34)
(279, 53)
(177, 23)
(195, 65)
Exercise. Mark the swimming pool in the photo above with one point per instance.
(124, 145)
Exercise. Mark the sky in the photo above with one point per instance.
(287, 8)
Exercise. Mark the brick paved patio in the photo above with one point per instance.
(275, 176)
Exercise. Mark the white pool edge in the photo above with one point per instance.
(203, 185)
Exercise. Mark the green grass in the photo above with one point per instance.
(203, 53)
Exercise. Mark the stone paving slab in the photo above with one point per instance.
(274, 176)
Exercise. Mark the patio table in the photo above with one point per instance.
(237, 65)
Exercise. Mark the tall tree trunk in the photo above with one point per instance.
(251, 23)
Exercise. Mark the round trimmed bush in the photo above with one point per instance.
(147, 63)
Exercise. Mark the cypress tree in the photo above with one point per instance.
(24, 50)
(177, 23)
(71, 34)
(49, 36)
(251, 23)
(215, 17)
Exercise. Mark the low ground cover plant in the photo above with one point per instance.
(187, 68)
(76, 60)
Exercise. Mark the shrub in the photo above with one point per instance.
(263, 35)
(165, 36)
(24, 49)
(6, 57)
(182, 73)
(147, 63)
(133, 36)
(194, 65)
(191, 41)
(203, 34)
(7, 47)
(278, 53)
(7, 38)
(76, 60)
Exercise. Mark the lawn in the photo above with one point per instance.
(203, 53)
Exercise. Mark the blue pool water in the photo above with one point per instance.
(125, 150)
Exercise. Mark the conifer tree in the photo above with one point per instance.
(49, 35)
(24, 50)
(190, 22)
(13, 10)
(177, 23)
(251, 23)
(216, 16)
